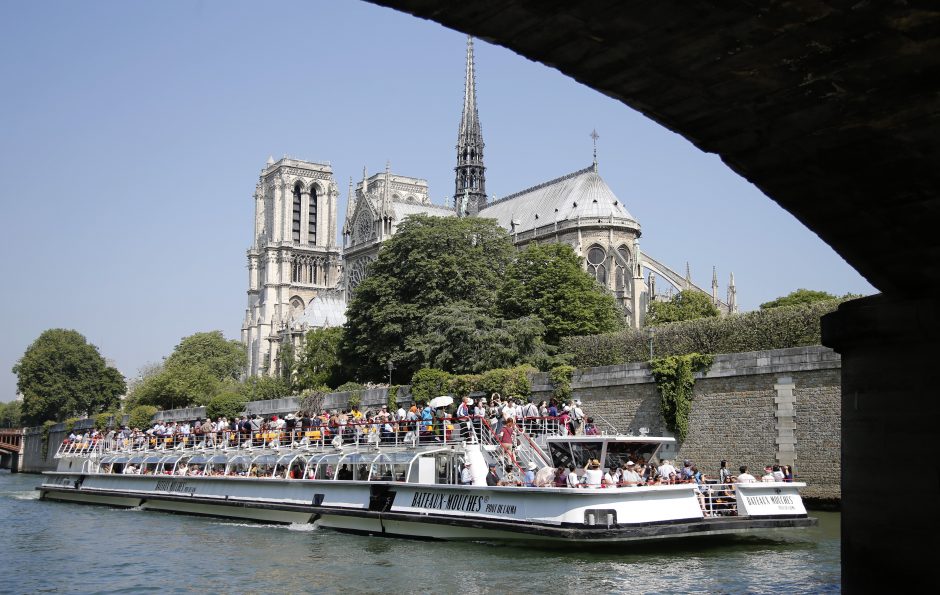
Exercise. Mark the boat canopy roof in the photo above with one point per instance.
(197, 459)
(613, 438)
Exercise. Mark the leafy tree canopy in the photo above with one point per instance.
(11, 414)
(226, 404)
(262, 388)
(220, 357)
(141, 417)
(197, 370)
(318, 363)
(463, 338)
(429, 263)
(61, 375)
(799, 297)
(688, 304)
(174, 386)
(548, 282)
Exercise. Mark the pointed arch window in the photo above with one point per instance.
(296, 219)
(621, 271)
(596, 257)
(312, 216)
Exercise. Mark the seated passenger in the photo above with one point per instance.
(744, 476)
(630, 477)
(529, 478)
(545, 477)
(509, 477)
(593, 475)
(571, 479)
(768, 476)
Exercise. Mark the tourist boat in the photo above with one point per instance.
(403, 482)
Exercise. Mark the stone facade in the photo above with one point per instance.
(735, 412)
(294, 256)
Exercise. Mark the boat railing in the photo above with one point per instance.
(528, 443)
(717, 499)
(408, 433)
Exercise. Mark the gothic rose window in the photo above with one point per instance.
(365, 230)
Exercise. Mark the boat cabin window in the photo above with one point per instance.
(619, 453)
(576, 453)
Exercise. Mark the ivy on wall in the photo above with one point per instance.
(561, 382)
(675, 379)
(391, 401)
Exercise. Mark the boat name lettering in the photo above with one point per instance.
(501, 508)
(464, 502)
(169, 485)
(785, 501)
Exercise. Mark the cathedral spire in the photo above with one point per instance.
(732, 296)
(714, 285)
(350, 201)
(469, 176)
(594, 137)
(386, 200)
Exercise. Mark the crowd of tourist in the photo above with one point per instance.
(419, 422)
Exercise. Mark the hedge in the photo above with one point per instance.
(775, 328)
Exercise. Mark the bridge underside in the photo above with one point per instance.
(832, 109)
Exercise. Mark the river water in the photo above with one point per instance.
(56, 547)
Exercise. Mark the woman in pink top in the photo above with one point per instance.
(507, 434)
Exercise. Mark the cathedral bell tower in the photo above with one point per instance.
(470, 174)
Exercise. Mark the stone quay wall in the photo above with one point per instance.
(757, 408)
(781, 406)
(35, 460)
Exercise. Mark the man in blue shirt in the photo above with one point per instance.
(529, 478)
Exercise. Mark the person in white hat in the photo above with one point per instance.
(529, 478)
(466, 477)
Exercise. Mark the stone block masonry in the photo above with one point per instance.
(756, 408)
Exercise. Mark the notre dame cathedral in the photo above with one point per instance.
(299, 278)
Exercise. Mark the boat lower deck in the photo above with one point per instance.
(413, 524)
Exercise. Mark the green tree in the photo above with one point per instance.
(799, 297)
(222, 358)
(430, 262)
(262, 388)
(286, 363)
(688, 304)
(62, 375)
(508, 382)
(463, 338)
(141, 417)
(547, 281)
(226, 404)
(197, 370)
(11, 414)
(318, 364)
(176, 385)
(428, 383)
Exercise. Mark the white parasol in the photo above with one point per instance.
(442, 401)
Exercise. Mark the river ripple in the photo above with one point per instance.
(50, 547)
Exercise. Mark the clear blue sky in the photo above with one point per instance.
(132, 135)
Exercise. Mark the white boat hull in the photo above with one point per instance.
(446, 512)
